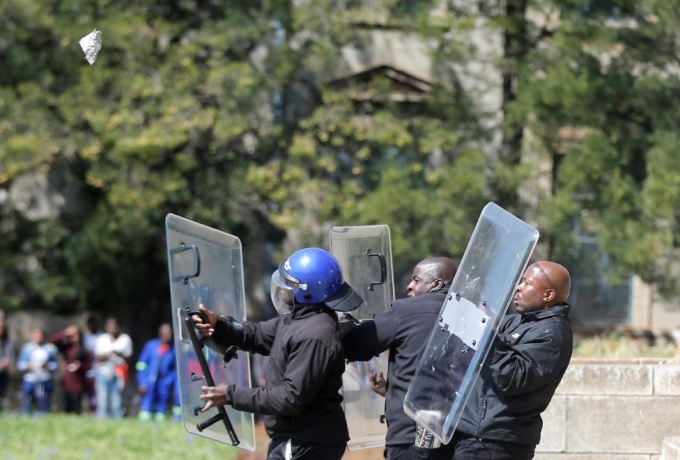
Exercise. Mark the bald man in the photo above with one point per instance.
(530, 354)
(404, 330)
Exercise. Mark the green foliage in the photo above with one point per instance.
(608, 75)
(593, 86)
(615, 344)
(223, 110)
(153, 124)
(431, 217)
(215, 111)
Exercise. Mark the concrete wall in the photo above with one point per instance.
(613, 410)
(671, 449)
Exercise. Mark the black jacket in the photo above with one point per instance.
(301, 399)
(404, 329)
(524, 367)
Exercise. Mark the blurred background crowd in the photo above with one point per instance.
(89, 369)
(92, 366)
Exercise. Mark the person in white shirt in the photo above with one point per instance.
(37, 360)
(91, 334)
(90, 337)
(112, 351)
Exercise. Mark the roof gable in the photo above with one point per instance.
(403, 85)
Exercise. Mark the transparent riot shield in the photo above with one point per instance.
(206, 267)
(365, 255)
(492, 265)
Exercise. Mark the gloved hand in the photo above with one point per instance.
(219, 333)
(346, 323)
(228, 332)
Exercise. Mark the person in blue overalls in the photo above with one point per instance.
(157, 375)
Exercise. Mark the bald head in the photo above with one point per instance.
(544, 285)
(430, 275)
(559, 278)
(439, 267)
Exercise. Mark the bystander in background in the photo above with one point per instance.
(78, 362)
(92, 333)
(157, 376)
(112, 351)
(6, 359)
(37, 360)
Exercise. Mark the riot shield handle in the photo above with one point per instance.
(196, 263)
(198, 349)
(383, 268)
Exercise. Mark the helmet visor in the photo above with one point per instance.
(282, 293)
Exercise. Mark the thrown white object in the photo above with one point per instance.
(91, 44)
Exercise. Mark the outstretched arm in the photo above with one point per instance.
(371, 337)
(309, 364)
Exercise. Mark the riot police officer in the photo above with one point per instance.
(301, 401)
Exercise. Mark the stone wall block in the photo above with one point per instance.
(667, 380)
(621, 424)
(607, 379)
(671, 448)
(554, 433)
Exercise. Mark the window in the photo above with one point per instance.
(599, 295)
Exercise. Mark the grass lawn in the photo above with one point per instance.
(59, 436)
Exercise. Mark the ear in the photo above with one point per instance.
(437, 284)
(549, 295)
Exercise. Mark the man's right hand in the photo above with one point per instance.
(214, 396)
(378, 383)
(208, 329)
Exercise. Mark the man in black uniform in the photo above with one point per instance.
(404, 329)
(301, 400)
(530, 354)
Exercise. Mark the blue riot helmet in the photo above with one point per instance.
(312, 276)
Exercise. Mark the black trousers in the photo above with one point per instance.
(4, 380)
(290, 449)
(471, 448)
(411, 452)
(72, 403)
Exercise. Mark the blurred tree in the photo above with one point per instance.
(587, 105)
(158, 124)
(221, 111)
(602, 104)
(232, 113)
